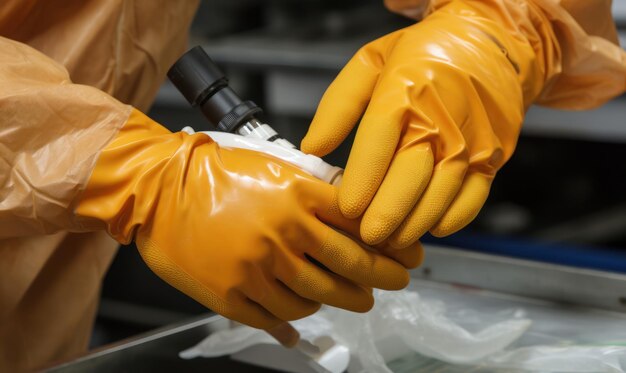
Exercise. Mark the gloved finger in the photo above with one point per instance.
(239, 307)
(331, 215)
(250, 313)
(316, 284)
(373, 149)
(328, 211)
(465, 206)
(440, 192)
(348, 259)
(404, 183)
(283, 303)
(343, 104)
(410, 257)
(285, 334)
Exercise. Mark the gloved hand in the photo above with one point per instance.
(236, 230)
(442, 103)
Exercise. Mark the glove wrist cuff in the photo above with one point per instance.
(125, 183)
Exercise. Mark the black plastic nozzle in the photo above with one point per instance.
(204, 85)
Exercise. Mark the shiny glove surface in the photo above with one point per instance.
(235, 229)
(441, 105)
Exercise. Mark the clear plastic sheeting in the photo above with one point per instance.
(404, 321)
(442, 328)
(562, 338)
(565, 358)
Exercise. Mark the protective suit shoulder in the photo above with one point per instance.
(123, 48)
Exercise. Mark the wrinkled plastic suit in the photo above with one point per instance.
(442, 104)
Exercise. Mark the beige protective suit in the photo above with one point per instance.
(52, 130)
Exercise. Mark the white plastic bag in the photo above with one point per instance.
(404, 326)
(400, 322)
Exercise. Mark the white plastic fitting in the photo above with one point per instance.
(306, 162)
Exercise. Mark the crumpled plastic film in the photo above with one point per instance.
(400, 323)
(570, 359)
(405, 326)
(422, 325)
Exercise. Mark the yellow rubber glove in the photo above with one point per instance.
(442, 103)
(234, 229)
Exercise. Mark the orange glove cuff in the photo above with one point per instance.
(115, 195)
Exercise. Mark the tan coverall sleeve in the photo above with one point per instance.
(51, 283)
(51, 132)
(589, 66)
